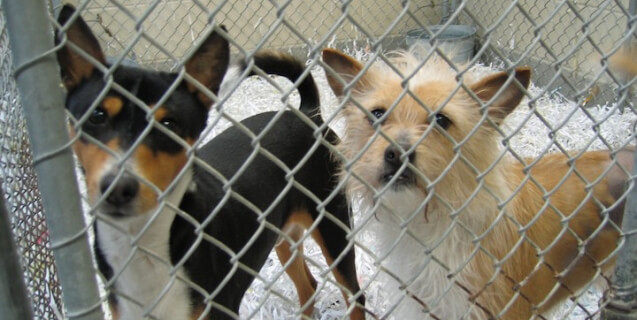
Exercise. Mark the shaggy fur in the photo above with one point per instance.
(464, 230)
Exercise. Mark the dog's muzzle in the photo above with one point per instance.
(120, 194)
(394, 170)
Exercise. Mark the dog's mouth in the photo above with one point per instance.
(118, 212)
(398, 180)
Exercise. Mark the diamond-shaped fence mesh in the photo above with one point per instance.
(434, 197)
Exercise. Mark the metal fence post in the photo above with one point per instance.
(623, 303)
(14, 300)
(39, 84)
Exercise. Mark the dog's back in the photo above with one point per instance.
(277, 173)
(581, 210)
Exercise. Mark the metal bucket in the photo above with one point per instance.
(455, 41)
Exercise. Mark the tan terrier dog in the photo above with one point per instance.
(466, 231)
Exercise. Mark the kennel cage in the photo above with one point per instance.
(567, 43)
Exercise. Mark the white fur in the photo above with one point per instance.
(230, 80)
(145, 276)
(409, 248)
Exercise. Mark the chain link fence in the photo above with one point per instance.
(575, 103)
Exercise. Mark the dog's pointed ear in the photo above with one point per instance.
(344, 67)
(73, 66)
(502, 100)
(208, 65)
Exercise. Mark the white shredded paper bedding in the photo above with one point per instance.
(272, 295)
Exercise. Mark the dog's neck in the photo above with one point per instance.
(138, 251)
(477, 197)
(426, 243)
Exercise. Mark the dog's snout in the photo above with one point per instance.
(393, 159)
(393, 155)
(124, 190)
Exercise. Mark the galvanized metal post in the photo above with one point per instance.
(38, 79)
(14, 299)
(623, 295)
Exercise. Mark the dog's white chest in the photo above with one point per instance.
(422, 254)
(144, 283)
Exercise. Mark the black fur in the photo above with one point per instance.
(260, 182)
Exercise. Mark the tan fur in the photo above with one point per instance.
(112, 105)
(563, 268)
(157, 169)
(76, 68)
(93, 159)
(624, 62)
(552, 236)
(298, 271)
(112, 307)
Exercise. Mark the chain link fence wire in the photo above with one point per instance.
(575, 103)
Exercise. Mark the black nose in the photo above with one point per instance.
(124, 190)
(393, 153)
(393, 163)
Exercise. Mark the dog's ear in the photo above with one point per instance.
(502, 100)
(345, 69)
(74, 67)
(208, 65)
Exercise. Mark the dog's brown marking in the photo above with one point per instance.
(112, 105)
(623, 62)
(113, 306)
(114, 313)
(503, 99)
(160, 113)
(345, 67)
(160, 169)
(93, 158)
(74, 67)
(198, 311)
(208, 66)
(298, 271)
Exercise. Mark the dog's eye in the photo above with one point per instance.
(170, 124)
(98, 117)
(442, 121)
(377, 113)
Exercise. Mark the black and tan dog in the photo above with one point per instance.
(133, 143)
